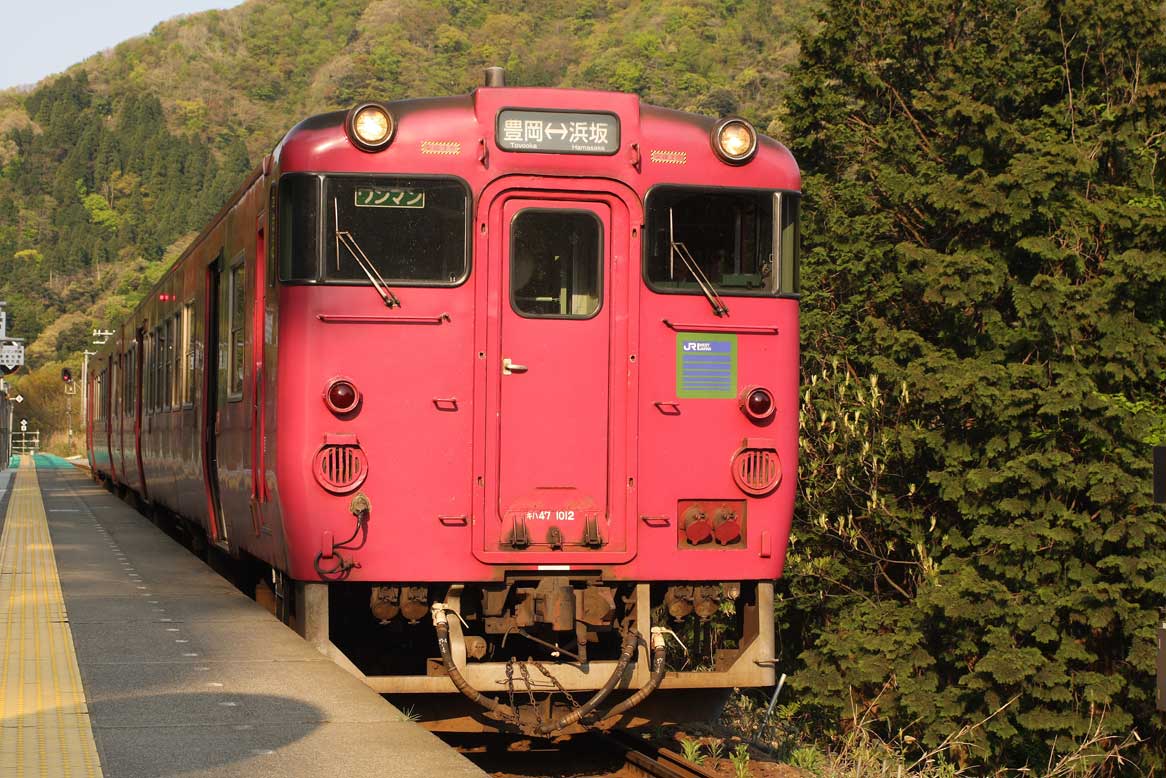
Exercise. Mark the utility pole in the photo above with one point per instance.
(70, 390)
(11, 358)
(5, 425)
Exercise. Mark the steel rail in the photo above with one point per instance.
(645, 759)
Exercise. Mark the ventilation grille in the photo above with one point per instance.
(757, 471)
(340, 469)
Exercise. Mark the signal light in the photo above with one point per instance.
(66, 375)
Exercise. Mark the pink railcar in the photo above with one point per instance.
(473, 378)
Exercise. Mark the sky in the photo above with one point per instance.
(42, 39)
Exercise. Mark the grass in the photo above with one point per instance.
(862, 753)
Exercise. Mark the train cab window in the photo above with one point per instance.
(556, 264)
(723, 237)
(406, 231)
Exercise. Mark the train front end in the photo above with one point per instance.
(537, 399)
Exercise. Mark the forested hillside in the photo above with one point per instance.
(976, 568)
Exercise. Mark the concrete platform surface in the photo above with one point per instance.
(185, 676)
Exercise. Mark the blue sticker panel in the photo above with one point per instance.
(706, 366)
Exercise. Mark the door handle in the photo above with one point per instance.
(509, 367)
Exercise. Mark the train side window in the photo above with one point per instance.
(556, 264)
(156, 346)
(298, 227)
(187, 354)
(165, 356)
(125, 383)
(131, 395)
(177, 344)
(148, 372)
(145, 372)
(127, 395)
(235, 326)
(156, 357)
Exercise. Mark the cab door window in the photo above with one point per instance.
(556, 264)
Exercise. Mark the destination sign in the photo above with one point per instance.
(558, 132)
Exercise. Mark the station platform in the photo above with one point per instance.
(123, 655)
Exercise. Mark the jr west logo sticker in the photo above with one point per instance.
(706, 366)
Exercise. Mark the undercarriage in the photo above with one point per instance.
(544, 653)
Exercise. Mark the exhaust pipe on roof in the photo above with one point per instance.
(495, 76)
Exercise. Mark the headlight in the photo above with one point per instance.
(734, 140)
(370, 126)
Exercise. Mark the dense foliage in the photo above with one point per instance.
(984, 333)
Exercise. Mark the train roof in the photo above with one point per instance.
(451, 134)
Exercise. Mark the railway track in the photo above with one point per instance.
(613, 754)
(644, 759)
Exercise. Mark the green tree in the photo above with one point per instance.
(983, 244)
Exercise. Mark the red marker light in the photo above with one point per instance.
(757, 403)
(341, 396)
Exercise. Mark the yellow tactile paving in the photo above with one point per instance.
(44, 724)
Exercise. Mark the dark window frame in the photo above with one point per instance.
(322, 221)
(130, 374)
(236, 349)
(188, 348)
(146, 397)
(776, 292)
(601, 278)
(167, 357)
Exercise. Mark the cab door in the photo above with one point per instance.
(556, 423)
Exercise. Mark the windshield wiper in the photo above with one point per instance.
(344, 238)
(680, 250)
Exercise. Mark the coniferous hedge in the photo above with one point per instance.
(984, 356)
